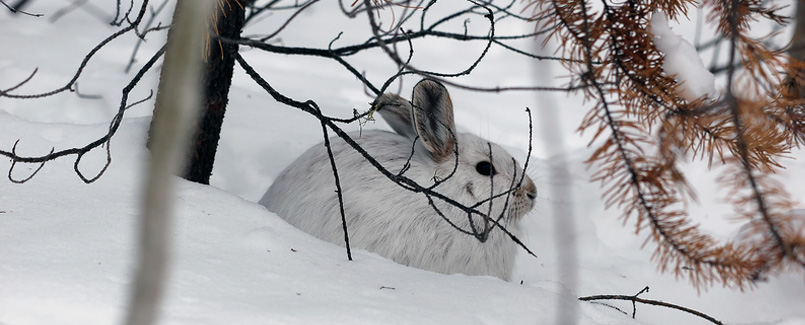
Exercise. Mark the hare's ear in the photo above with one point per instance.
(433, 118)
(396, 111)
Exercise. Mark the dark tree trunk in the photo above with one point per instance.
(220, 61)
(217, 80)
(797, 52)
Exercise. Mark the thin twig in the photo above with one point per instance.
(86, 59)
(104, 140)
(18, 11)
(141, 39)
(338, 189)
(635, 299)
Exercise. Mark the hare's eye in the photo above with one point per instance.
(485, 168)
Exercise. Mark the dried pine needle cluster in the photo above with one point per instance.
(222, 9)
(647, 128)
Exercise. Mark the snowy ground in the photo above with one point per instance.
(66, 248)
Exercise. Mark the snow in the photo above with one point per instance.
(681, 60)
(67, 248)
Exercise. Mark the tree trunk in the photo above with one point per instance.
(220, 61)
(797, 50)
(217, 80)
(178, 100)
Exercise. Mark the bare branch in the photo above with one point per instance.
(86, 59)
(17, 11)
(635, 299)
(104, 140)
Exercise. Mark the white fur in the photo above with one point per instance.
(394, 222)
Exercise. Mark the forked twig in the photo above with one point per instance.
(635, 299)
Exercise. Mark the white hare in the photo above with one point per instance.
(399, 224)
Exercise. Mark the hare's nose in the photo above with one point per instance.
(530, 189)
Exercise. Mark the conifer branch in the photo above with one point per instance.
(633, 95)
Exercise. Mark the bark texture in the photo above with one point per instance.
(217, 80)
